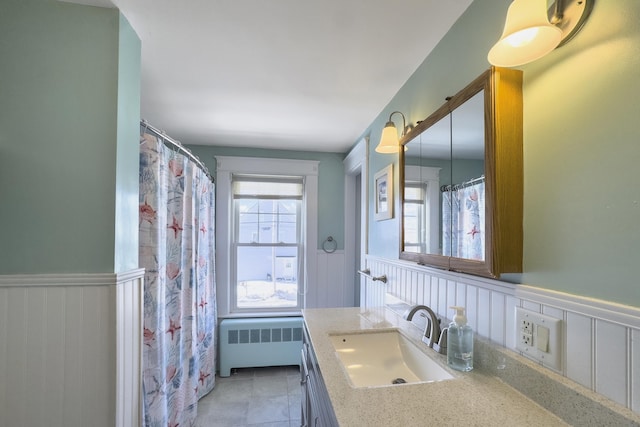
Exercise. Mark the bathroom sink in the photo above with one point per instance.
(383, 358)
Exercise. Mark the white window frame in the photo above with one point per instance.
(236, 244)
(227, 166)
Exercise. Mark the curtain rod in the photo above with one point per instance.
(177, 144)
(456, 187)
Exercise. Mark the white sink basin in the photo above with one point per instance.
(384, 358)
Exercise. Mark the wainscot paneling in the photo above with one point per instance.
(601, 340)
(329, 288)
(70, 349)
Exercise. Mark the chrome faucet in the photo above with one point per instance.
(433, 336)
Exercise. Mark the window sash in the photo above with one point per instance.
(260, 222)
(274, 217)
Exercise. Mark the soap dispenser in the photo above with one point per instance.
(460, 342)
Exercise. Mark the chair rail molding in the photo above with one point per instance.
(623, 315)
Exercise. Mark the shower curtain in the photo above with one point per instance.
(176, 224)
(463, 222)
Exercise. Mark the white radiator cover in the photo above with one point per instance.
(259, 342)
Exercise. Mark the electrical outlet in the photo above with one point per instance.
(539, 337)
(526, 332)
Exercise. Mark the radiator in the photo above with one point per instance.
(258, 342)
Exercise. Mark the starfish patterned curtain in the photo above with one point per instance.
(463, 215)
(176, 224)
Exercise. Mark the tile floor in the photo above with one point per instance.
(256, 397)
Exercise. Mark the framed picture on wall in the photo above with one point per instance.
(383, 184)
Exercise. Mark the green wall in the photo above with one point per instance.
(330, 182)
(59, 128)
(582, 157)
(128, 149)
(581, 146)
(66, 171)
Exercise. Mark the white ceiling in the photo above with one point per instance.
(285, 74)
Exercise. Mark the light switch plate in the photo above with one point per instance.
(536, 333)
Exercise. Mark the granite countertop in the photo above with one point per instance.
(503, 389)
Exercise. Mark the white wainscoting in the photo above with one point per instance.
(601, 340)
(329, 288)
(129, 323)
(70, 349)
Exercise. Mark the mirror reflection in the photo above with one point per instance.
(443, 205)
(461, 180)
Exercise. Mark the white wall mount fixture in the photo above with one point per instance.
(539, 337)
(532, 31)
(389, 141)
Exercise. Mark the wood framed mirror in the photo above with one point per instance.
(461, 180)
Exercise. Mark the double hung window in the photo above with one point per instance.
(266, 243)
(266, 235)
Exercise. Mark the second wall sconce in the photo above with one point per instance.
(529, 33)
(390, 142)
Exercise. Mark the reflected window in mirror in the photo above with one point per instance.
(427, 166)
(421, 209)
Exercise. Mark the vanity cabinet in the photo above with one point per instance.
(315, 404)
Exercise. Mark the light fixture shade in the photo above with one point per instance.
(389, 142)
(527, 35)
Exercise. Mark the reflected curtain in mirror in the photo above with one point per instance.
(463, 210)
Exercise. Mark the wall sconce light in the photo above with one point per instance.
(529, 33)
(389, 142)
